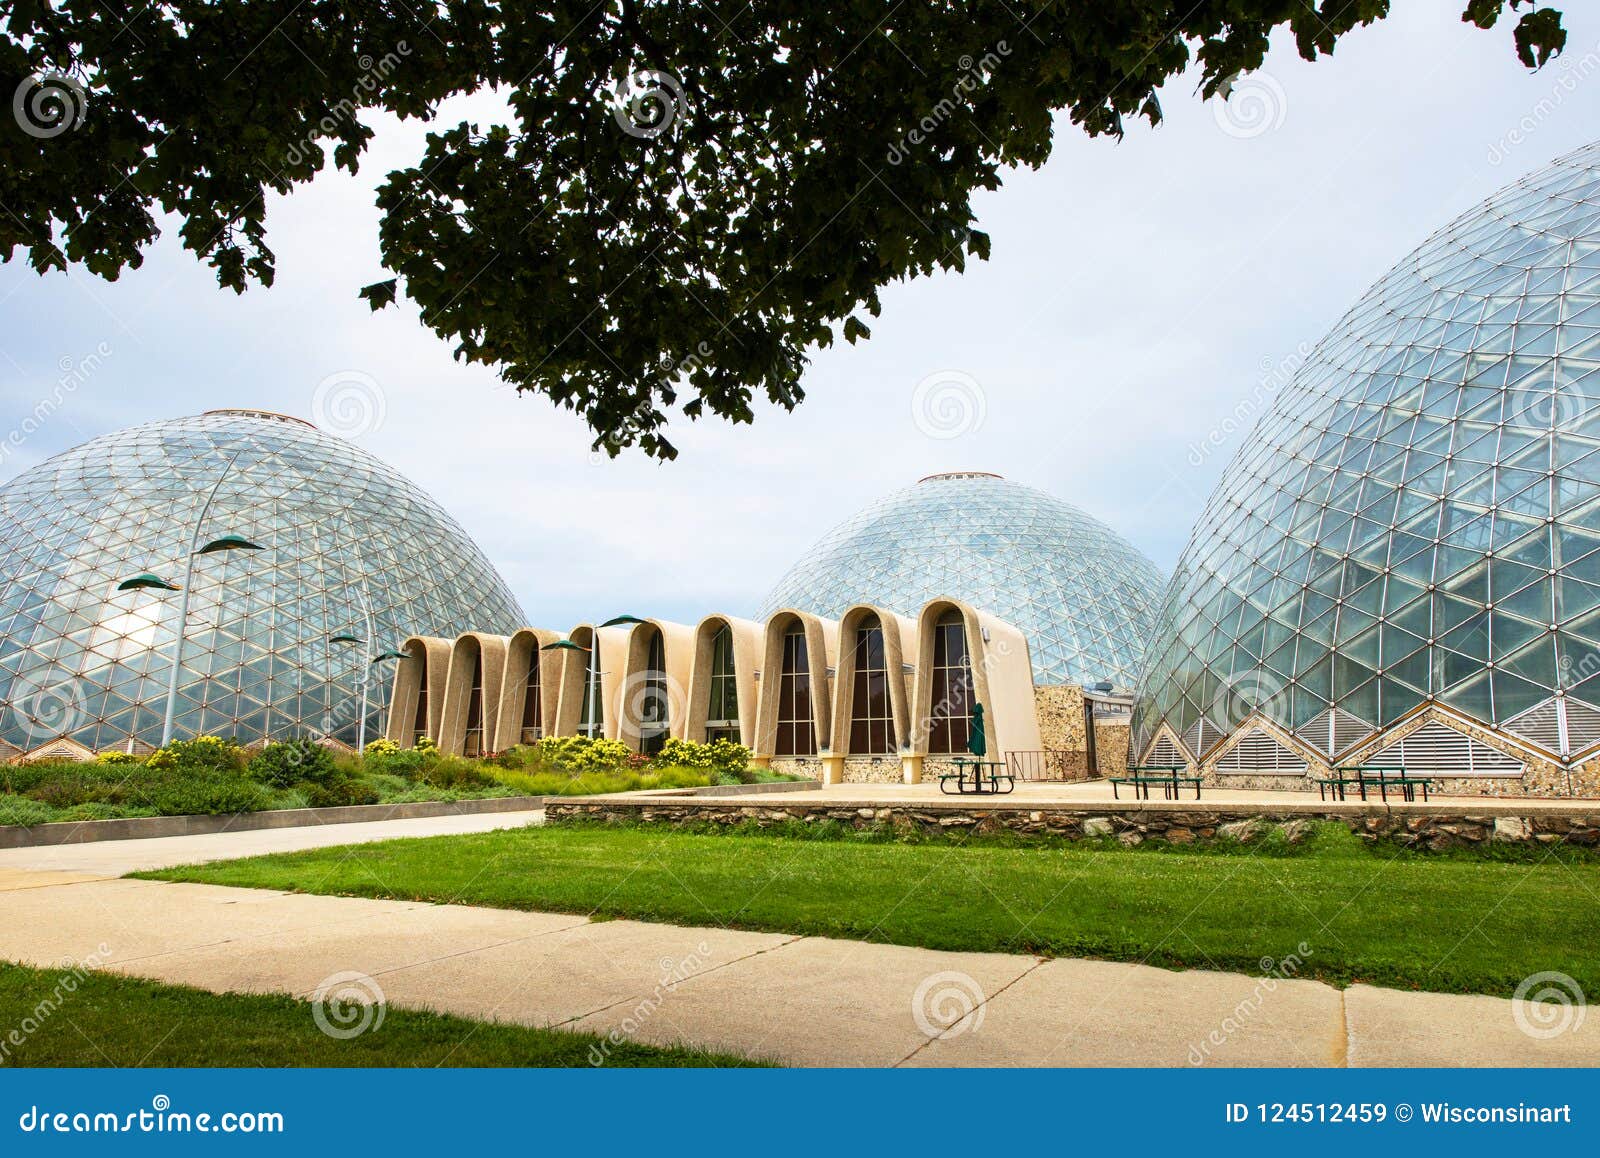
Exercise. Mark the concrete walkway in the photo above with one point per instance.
(799, 1000)
(115, 857)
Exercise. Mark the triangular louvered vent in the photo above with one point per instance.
(1258, 751)
(1200, 736)
(60, 749)
(1164, 751)
(1434, 749)
(1333, 730)
(1541, 724)
(1583, 725)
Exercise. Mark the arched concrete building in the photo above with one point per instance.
(872, 696)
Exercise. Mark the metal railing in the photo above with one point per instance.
(1049, 764)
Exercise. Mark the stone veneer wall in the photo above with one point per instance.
(1430, 828)
(863, 770)
(1060, 709)
(1111, 747)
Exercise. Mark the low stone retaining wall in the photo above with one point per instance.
(1431, 826)
(138, 828)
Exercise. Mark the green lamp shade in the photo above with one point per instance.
(389, 655)
(619, 620)
(345, 639)
(139, 582)
(229, 543)
(563, 645)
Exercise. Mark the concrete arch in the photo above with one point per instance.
(425, 668)
(473, 652)
(613, 649)
(747, 641)
(628, 701)
(822, 653)
(897, 631)
(523, 650)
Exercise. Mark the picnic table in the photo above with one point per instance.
(1362, 776)
(977, 778)
(1169, 776)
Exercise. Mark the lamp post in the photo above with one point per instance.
(148, 581)
(368, 662)
(594, 663)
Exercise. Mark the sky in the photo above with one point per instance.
(1144, 298)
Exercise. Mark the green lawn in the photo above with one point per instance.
(99, 1019)
(1439, 922)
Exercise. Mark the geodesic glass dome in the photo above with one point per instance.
(347, 548)
(1081, 594)
(1417, 518)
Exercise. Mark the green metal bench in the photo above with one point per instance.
(1141, 776)
(1383, 776)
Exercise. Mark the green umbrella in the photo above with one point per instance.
(977, 743)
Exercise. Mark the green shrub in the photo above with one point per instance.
(118, 758)
(201, 754)
(21, 810)
(579, 754)
(340, 792)
(203, 792)
(381, 747)
(407, 762)
(293, 762)
(453, 772)
(721, 759)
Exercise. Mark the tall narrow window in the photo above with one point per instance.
(796, 736)
(950, 713)
(871, 721)
(532, 703)
(472, 742)
(591, 721)
(722, 713)
(419, 722)
(653, 709)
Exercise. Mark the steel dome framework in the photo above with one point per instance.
(1416, 522)
(348, 548)
(1081, 594)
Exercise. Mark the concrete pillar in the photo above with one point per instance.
(911, 769)
(833, 769)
